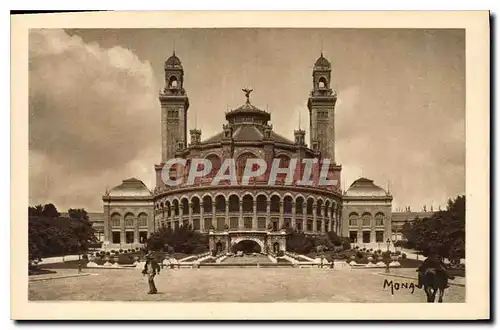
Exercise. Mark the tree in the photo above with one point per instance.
(49, 234)
(182, 240)
(442, 233)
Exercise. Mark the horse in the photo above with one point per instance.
(433, 280)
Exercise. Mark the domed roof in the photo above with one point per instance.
(130, 188)
(322, 62)
(173, 61)
(364, 187)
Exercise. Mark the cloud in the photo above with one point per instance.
(91, 115)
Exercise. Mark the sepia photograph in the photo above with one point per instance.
(254, 165)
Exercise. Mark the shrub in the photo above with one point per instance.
(121, 250)
(403, 255)
(398, 253)
(359, 255)
(386, 254)
(108, 253)
(85, 257)
(379, 251)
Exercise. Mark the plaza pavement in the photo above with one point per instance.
(234, 285)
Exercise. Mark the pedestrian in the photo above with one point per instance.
(151, 268)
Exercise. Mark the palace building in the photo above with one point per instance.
(257, 211)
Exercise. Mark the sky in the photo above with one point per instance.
(94, 113)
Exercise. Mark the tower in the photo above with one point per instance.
(174, 108)
(321, 104)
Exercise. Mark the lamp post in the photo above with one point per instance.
(388, 244)
(79, 259)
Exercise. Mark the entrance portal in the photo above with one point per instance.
(247, 246)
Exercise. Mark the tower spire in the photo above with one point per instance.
(299, 119)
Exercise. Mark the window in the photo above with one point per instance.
(247, 222)
(196, 224)
(379, 236)
(287, 223)
(208, 223)
(309, 225)
(142, 220)
(379, 219)
(261, 223)
(367, 219)
(298, 225)
(129, 237)
(353, 236)
(318, 225)
(233, 223)
(185, 223)
(115, 220)
(221, 222)
(129, 220)
(143, 236)
(366, 237)
(116, 237)
(353, 219)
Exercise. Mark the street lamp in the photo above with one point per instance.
(79, 259)
(388, 243)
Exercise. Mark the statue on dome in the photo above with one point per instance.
(247, 93)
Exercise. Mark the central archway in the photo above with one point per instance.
(247, 246)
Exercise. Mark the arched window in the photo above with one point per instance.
(220, 204)
(319, 206)
(169, 209)
(248, 204)
(142, 220)
(326, 209)
(129, 220)
(379, 219)
(261, 204)
(234, 203)
(366, 218)
(275, 204)
(176, 207)
(309, 208)
(185, 206)
(353, 219)
(299, 205)
(207, 204)
(195, 204)
(115, 219)
(162, 208)
(173, 83)
(322, 82)
(287, 205)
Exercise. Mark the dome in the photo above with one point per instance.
(130, 188)
(173, 61)
(322, 62)
(364, 187)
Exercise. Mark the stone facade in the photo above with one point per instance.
(366, 214)
(255, 211)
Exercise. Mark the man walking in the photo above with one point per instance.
(151, 268)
